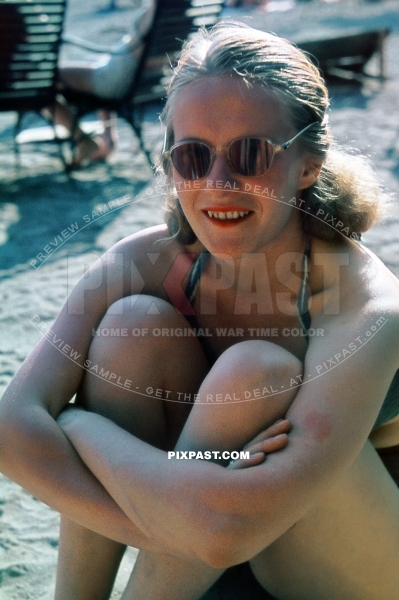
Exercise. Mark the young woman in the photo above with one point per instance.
(255, 303)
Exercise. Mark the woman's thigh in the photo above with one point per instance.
(143, 381)
(346, 547)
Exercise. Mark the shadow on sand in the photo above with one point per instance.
(45, 210)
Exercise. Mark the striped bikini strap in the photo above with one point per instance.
(195, 275)
(302, 303)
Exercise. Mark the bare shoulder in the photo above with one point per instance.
(151, 239)
(351, 278)
(356, 307)
(152, 253)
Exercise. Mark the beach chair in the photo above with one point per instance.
(30, 37)
(173, 22)
(346, 56)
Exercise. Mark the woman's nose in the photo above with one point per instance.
(221, 170)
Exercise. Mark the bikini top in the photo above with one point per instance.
(390, 407)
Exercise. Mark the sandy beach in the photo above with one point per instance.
(52, 226)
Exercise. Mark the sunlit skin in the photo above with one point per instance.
(217, 113)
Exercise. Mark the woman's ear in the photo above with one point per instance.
(310, 173)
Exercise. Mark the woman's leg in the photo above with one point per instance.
(88, 562)
(87, 147)
(110, 134)
(227, 425)
(164, 577)
(81, 78)
(346, 546)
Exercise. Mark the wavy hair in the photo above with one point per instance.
(346, 189)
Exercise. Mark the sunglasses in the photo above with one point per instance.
(247, 156)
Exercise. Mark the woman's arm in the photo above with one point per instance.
(34, 452)
(215, 514)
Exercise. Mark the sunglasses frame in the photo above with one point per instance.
(214, 150)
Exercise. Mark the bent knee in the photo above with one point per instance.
(258, 357)
(142, 312)
(249, 388)
(148, 328)
(254, 370)
(139, 305)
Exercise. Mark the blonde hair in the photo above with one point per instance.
(346, 188)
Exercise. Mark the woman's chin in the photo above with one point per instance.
(231, 250)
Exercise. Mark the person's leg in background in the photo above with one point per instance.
(87, 147)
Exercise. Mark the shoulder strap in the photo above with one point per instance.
(303, 296)
(194, 277)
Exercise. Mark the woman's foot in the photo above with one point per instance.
(90, 149)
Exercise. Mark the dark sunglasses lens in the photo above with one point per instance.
(251, 157)
(191, 160)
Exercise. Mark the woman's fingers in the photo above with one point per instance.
(279, 427)
(241, 463)
(259, 451)
(274, 438)
(270, 445)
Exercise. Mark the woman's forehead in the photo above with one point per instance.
(216, 103)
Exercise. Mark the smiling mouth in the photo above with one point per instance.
(232, 215)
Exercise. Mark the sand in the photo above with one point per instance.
(51, 226)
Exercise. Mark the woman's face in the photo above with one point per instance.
(217, 111)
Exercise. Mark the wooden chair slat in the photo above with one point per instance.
(346, 56)
(30, 38)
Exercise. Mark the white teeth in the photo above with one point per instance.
(227, 215)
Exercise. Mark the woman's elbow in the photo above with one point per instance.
(8, 437)
(226, 542)
(3, 446)
(20, 433)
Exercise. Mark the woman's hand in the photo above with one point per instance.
(274, 438)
